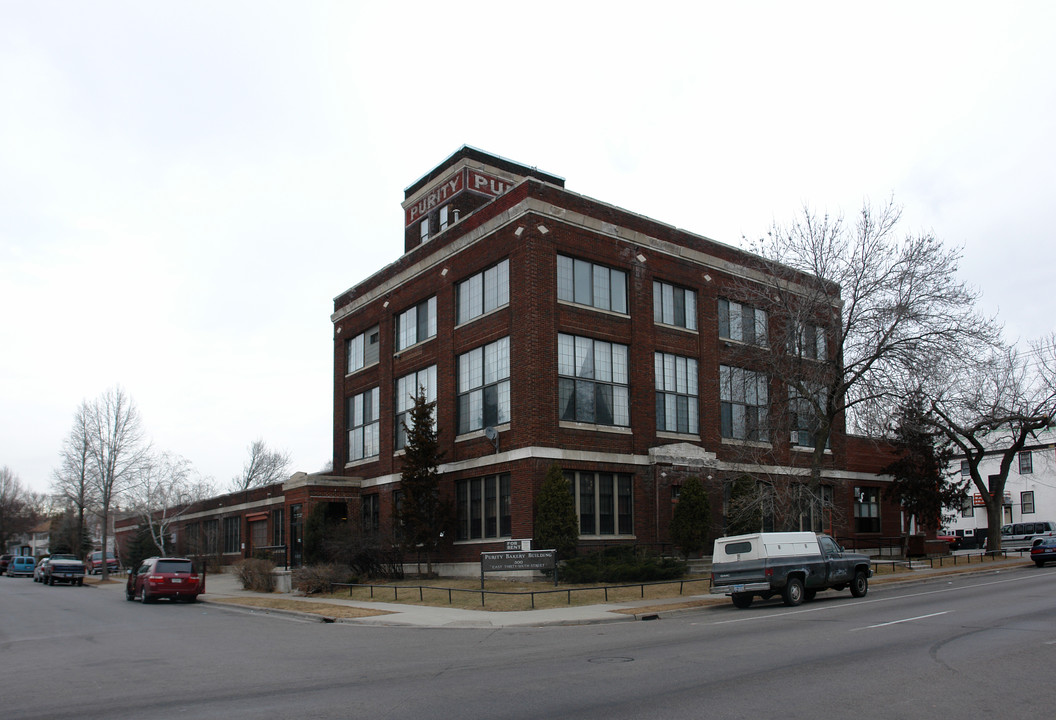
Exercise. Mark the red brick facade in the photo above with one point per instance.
(527, 218)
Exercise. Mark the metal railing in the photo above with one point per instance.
(520, 593)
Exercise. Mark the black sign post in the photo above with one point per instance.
(519, 560)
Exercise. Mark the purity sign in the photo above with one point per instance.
(464, 179)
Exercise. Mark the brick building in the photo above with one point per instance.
(551, 328)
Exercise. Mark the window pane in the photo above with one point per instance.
(581, 278)
(564, 279)
(619, 291)
(602, 298)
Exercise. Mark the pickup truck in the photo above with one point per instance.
(64, 568)
(795, 565)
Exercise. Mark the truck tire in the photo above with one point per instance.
(793, 592)
(860, 584)
(742, 600)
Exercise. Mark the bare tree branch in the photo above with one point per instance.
(264, 467)
(883, 302)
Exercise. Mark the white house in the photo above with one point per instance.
(1030, 490)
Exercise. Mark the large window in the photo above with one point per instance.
(1026, 502)
(484, 507)
(742, 323)
(406, 390)
(585, 283)
(370, 514)
(484, 386)
(210, 536)
(677, 408)
(593, 381)
(483, 292)
(1026, 463)
(362, 350)
(363, 427)
(803, 417)
(810, 342)
(232, 538)
(674, 305)
(604, 502)
(416, 324)
(744, 399)
(278, 526)
(867, 509)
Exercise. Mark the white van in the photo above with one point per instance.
(1021, 535)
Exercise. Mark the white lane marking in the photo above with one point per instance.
(896, 622)
(836, 606)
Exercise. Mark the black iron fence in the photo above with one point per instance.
(519, 593)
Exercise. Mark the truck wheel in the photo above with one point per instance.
(860, 584)
(742, 600)
(793, 593)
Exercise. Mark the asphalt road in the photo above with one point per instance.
(978, 646)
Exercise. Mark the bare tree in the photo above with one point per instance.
(73, 479)
(993, 407)
(264, 466)
(17, 514)
(166, 487)
(852, 310)
(118, 450)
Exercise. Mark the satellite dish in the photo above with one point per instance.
(491, 434)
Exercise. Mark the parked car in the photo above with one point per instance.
(1044, 551)
(794, 565)
(38, 571)
(158, 577)
(5, 559)
(94, 563)
(64, 568)
(1021, 535)
(954, 541)
(21, 565)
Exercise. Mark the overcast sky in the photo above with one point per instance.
(186, 186)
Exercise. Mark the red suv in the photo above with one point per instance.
(164, 577)
(94, 563)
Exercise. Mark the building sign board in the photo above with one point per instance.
(451, 186)
(978, 501)
(521, 560)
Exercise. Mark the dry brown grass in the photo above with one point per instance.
(465, 593)
(307, 606)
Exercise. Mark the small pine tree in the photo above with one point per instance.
(920, 482)
(426, 517)
(691, 518)
(141, 548)
(556, 525)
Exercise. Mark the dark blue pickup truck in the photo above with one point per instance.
(795, 565)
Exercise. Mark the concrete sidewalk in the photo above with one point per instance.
(226, 586)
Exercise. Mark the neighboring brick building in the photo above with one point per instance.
(539, 321)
